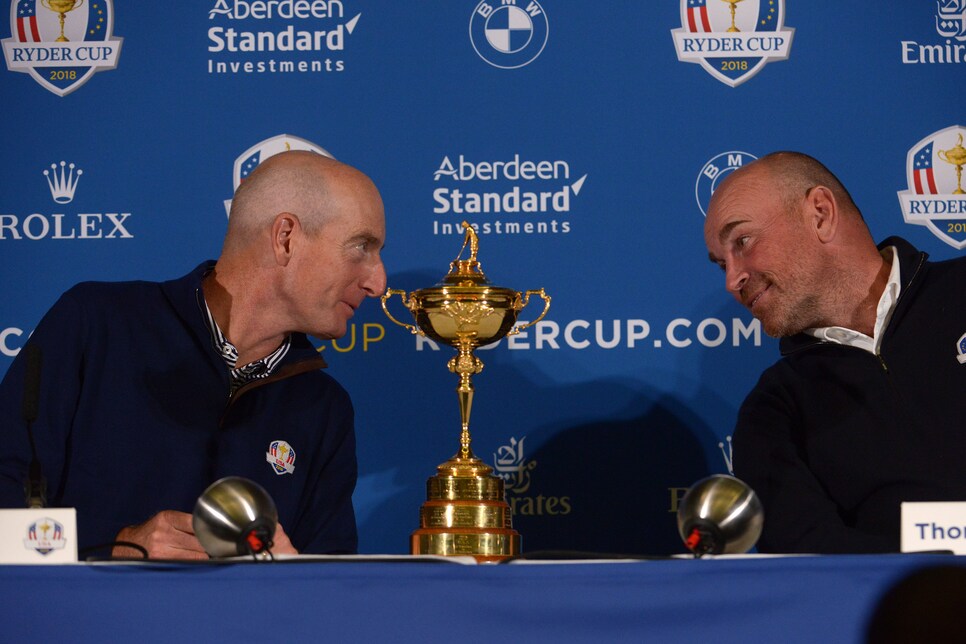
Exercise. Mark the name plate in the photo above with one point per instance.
(933, 526)
(38, 536)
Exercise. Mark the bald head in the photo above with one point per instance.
(792, 175)
(306, 184)
(793, 245)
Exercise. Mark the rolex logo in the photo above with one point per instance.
(62, 181)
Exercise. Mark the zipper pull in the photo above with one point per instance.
(885, 367)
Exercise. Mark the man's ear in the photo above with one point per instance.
(285, 228)
(822, 213)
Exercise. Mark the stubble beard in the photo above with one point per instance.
(791, 319)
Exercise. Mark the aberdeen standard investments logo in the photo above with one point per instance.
(508, 34)
(732, 41)
(278, 36)
(935, 197)
(61, 43)
(504, 196)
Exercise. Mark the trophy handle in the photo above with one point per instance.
(523, 305)
(402, 295)
(942, 155)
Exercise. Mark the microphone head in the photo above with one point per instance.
(720, 515)
(234, 516)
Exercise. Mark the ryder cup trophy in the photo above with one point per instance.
(465, 512)
(956, 156)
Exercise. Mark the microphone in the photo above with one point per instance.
(234, 516)
(35, 486)
(720, 515)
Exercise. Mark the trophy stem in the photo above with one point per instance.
(959, 181)
(465, 364)
(465, 392)
(62, 37)
(733, 27)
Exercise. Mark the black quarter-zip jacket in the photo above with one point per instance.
(834, 438)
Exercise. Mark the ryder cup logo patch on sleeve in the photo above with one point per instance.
(45, 536)
(961, 349)
(732, 41)
(246, 163)
(935, 197)
(61, 43)
(281, 456)
(508, 35)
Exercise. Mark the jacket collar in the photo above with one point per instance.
(184, 293)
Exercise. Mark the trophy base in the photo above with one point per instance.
(484, 545)
(465, 514)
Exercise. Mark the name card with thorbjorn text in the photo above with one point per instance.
(933, 526)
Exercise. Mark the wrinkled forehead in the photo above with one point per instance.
(744, 192)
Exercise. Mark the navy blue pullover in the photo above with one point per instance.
(135, 418)
(834, 438)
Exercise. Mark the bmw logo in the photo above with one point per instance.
(509, 35)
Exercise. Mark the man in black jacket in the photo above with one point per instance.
(866, 408)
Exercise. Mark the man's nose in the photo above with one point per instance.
(375, 283)
(735, 278)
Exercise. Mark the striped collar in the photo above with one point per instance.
(239, 376)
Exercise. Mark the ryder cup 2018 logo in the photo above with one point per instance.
(250, 159)
(935, 197)
(61, 43)
(45, 536)
(507, 34)
(714, 171)
(281, 456)
(732, 39)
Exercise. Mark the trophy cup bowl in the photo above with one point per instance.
(60, 6)
(466, 512)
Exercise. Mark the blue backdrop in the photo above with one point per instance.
(583, 139)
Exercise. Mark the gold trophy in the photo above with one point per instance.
(956, 156)
(466, 512)
(733, 28)
(62, 7)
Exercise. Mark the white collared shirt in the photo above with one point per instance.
(883, 313)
